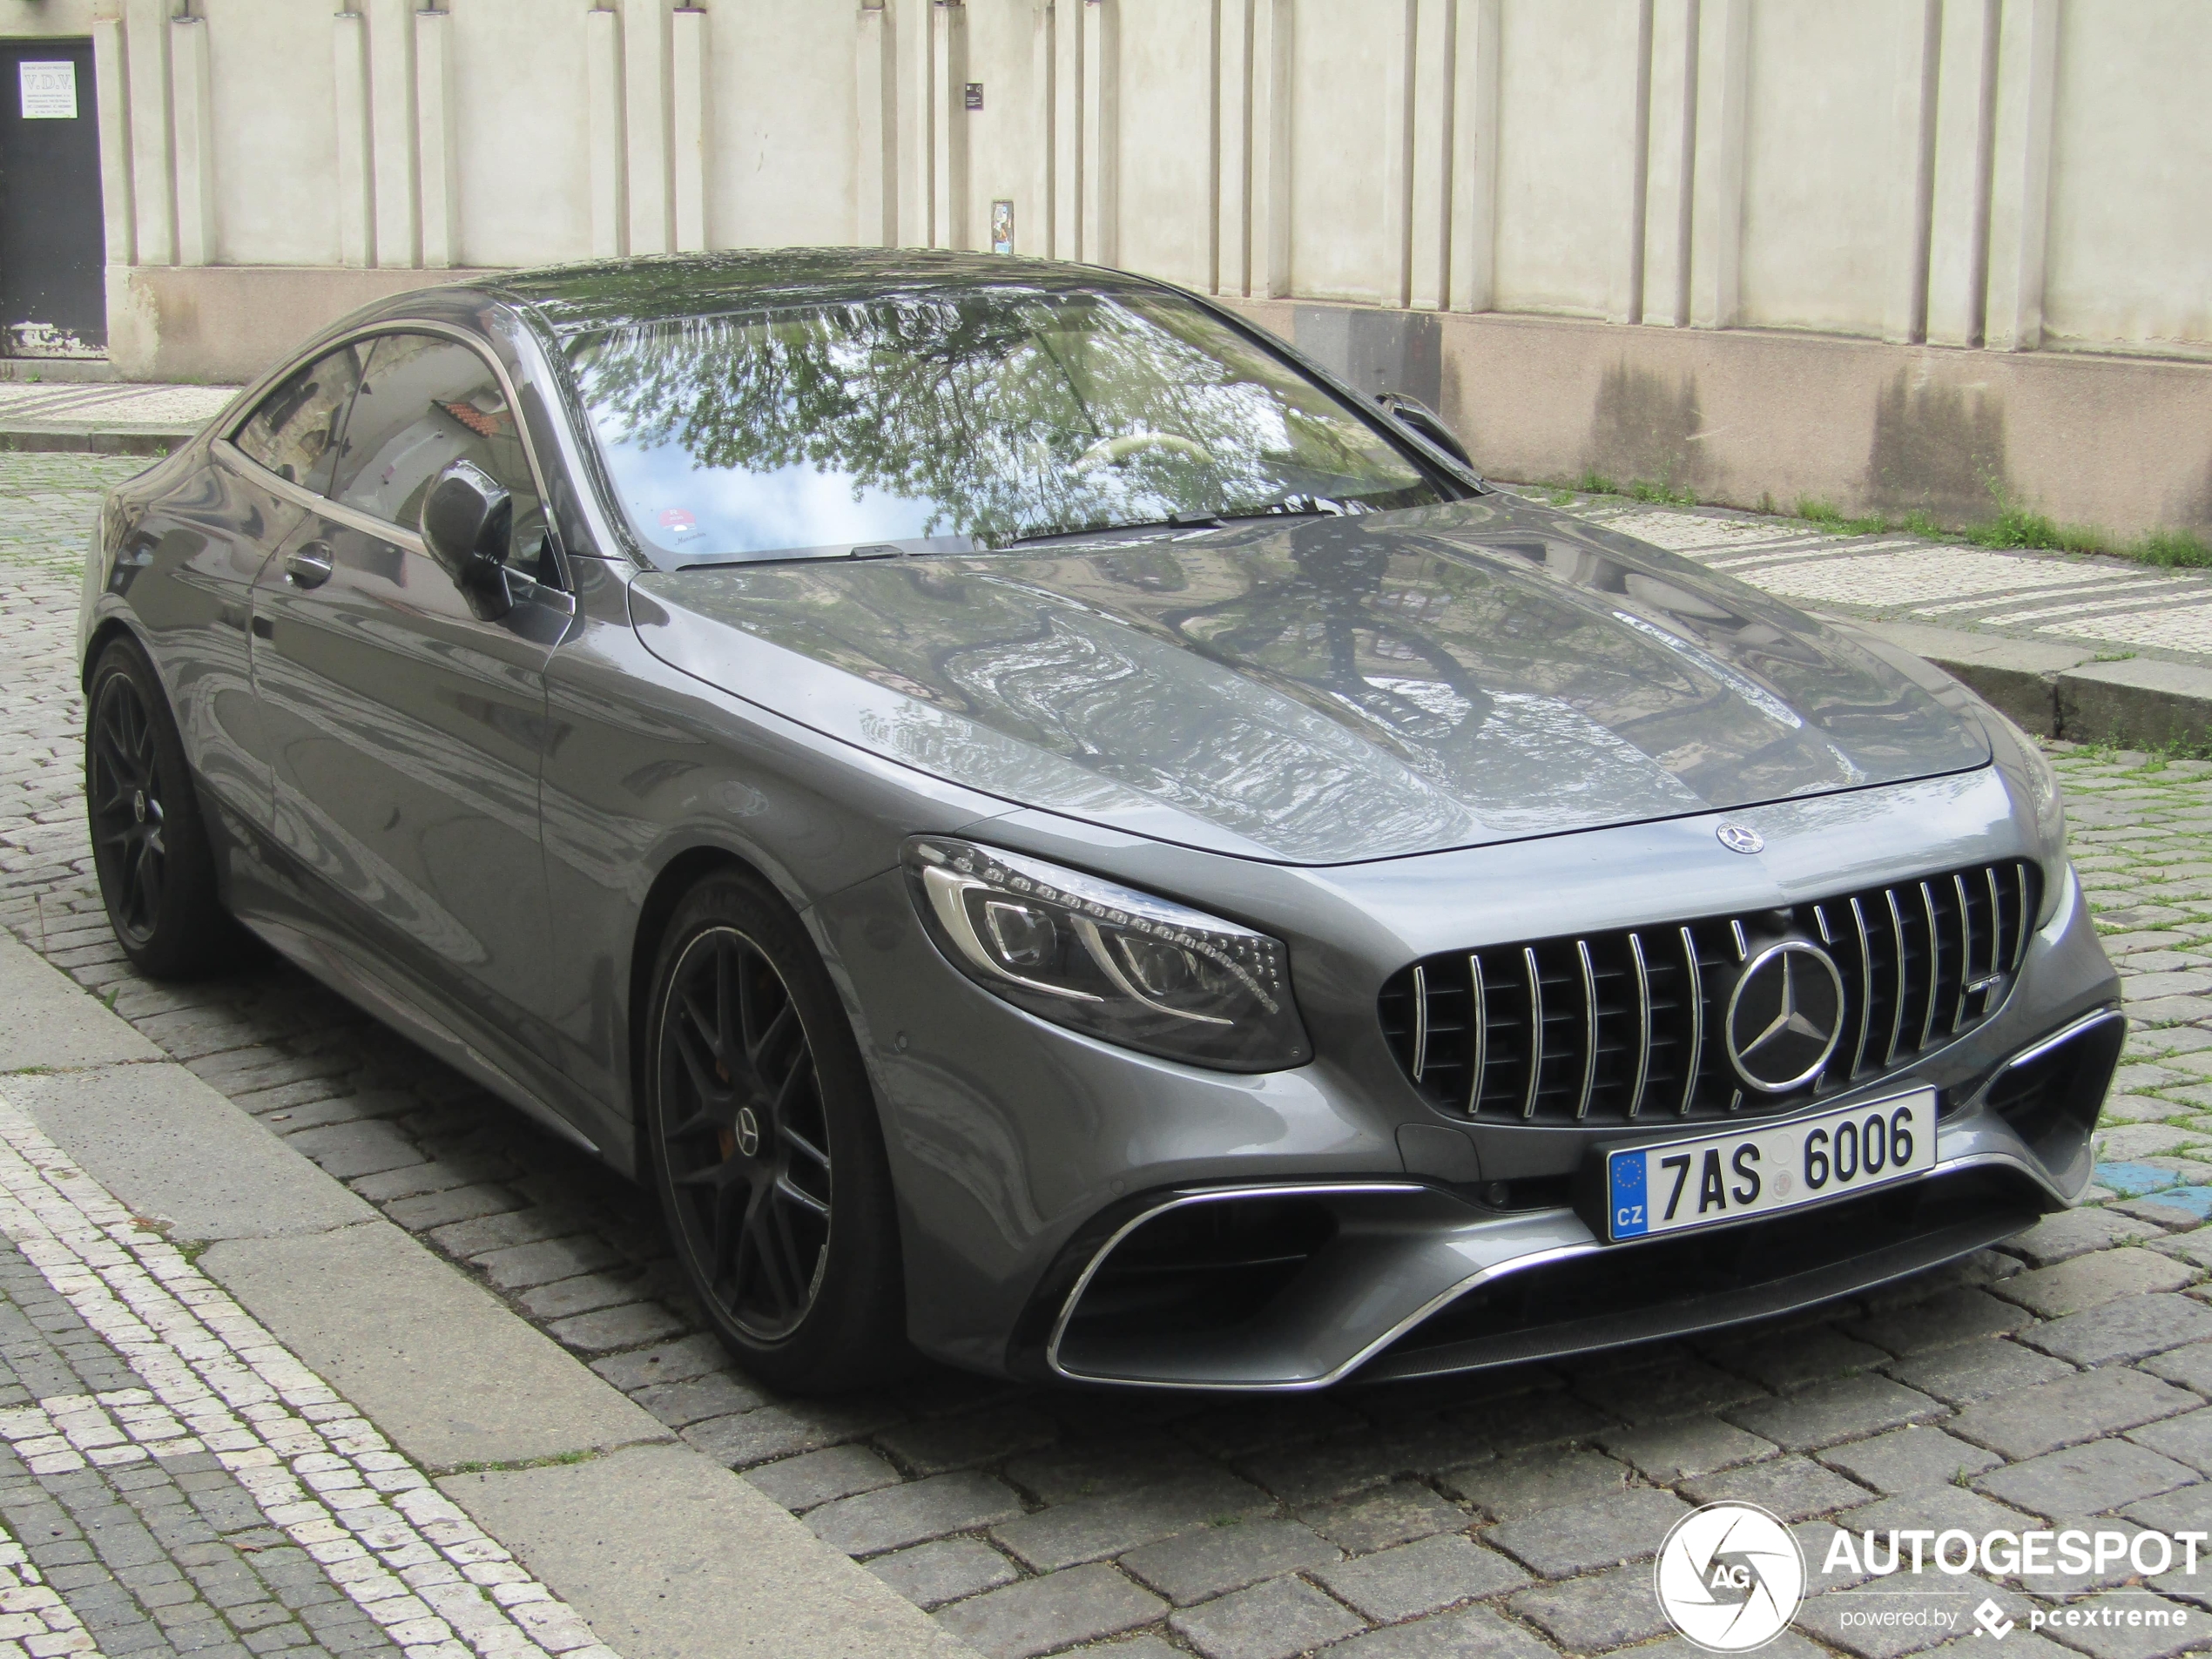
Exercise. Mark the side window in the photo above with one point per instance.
(296, 431)
(424, 403)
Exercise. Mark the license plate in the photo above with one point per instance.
(1708, 1179)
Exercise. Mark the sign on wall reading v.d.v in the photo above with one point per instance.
(49, 90)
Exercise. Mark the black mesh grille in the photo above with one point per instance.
(1614, 1026)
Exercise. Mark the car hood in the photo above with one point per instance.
(1324, 690)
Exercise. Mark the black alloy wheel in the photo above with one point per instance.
(149, 844)
(763, 1137)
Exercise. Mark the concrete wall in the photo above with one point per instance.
(1786, 246)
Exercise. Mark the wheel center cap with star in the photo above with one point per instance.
(1784, 1016)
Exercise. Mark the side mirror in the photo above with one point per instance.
(1425, 423)
(465, 520)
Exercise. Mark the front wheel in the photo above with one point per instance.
(762, 1132)
(150, 846)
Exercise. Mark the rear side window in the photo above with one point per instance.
(424, 403)
(296, 431)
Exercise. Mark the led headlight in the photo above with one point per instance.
(1106, 959)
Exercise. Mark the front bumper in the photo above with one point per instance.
(1050, 1185)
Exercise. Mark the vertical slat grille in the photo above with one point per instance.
(1607, 1026)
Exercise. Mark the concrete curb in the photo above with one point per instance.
(127, 440)
(2063, 691)
(663, 1551)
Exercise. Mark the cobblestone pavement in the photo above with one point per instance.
(171, 1481)
(1511, 1513)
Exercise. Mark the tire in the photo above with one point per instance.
(150, 843)
(761, 1129)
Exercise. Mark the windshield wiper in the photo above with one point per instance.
(1182, 522)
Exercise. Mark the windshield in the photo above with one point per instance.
(950, 422)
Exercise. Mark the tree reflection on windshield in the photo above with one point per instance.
(962, 420)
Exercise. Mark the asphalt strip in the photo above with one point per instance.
(472, 1485)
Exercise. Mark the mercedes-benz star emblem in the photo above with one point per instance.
(1784, 1016)
(748, 1131)
(1741, 838)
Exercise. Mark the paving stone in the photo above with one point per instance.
(2188, 1439)
(455, 1205)
(1800, 1357)
(1089, 1529)
(1941, 1321)
(931, 1574)
(1192, 1566)
(1681, 1383)
(2085, 1480)
(1271, 1621)
(2194, 1247)
(2033, 1420)
(2132, 1142)
(490, 1232)
(547, 1260)
(1525, 1421)
(616, 1328)
(1908, 1459)
(1421, 1577)
(717, 1394)
(1396, 1513)
(895, 1516)
(2093, 1280)
(1789, 1487)
(1043, 1615)
(1471, 1632)
(1527, 1482)
(1669, 1451)
(1598, 1532)
(1349, 1463)
(670, 1362)
(1823, 1413)
(775, 1432)
(936, 1445)
(2190, 1366)
(349, 1151)
(1592, 1615)
(2130, 1329)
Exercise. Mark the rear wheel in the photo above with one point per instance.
(763, 1137)
(149, 843)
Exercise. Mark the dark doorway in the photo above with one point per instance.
(53, 286)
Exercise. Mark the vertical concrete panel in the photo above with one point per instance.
(782, 124)
(436, 139)
(949, 219)
(875, 158)
(1913, 140)
(273, 144)
(153, 185)
(1233, 156)
(1343, 55)
(1716, 207)
(1429, 240)
(1627, 304)
(2130, 241)
(1274, 41)
(1959, 183)
(1067, 131)
(1671, 163)
(111, 88)
(688, 126)
(2019, 204)
(190, 96)
(1566, 120)
(609, 133)
(533, 126)
(646, 74)
(1397, 21)
(356, 153)
(1102, 125)
(916, 46)
(1036, 219)
(1823, 177)
(1474, 156)
(392, 136)
(1168, 166)
(1005, 142)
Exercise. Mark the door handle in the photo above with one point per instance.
(309, 564)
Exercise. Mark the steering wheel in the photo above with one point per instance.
(1118, 451)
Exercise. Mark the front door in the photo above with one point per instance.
(53, 247)
(406, 726)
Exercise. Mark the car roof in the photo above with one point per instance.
(573, 298)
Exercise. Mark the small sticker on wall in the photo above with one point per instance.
(49, 90)
(1002, 226)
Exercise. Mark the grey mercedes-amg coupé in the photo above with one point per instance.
(1059, 836)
